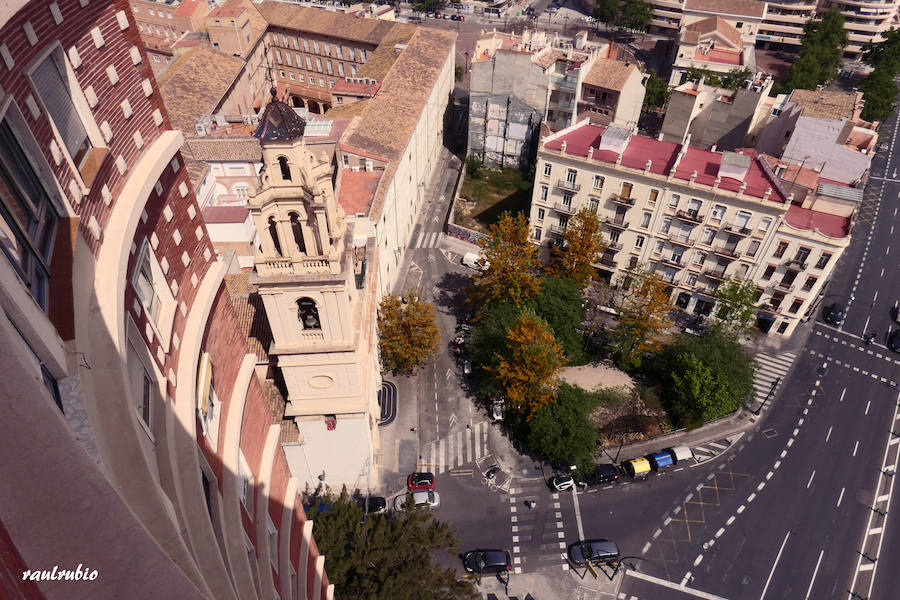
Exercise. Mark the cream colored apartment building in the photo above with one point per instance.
(695, 217)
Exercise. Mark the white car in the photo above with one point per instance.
(561, 483)
(422, 498)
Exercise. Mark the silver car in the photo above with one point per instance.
(422, 498)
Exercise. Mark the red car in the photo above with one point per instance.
(420, 481)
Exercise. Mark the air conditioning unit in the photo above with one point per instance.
(368, 166)
(355, 168)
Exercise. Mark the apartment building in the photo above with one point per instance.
(138, 440)
(712, 44)
(695, 217)
(520, 81)
(717, 117)
(779, 25)
(162, 22)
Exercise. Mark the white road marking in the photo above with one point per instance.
(809, 483)
(740, 509)
(730, 520)
(577, 516)
(843, 391)
(775, 564)
(876, 530)
(828, 435)
(646, 547)
(815, 571)
(855, 447)
(841, 497)
(673, 586)
(698, 560)
(868, 404)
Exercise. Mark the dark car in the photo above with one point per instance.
(602, 475)
(373, 504)
(893, 341)
(834, 314)
(420, 481)
(596, 552)
(486, 561)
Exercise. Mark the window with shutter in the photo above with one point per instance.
(52, 85)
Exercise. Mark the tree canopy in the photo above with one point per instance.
(656, 92)
(820, 52)
(387, 555)
(528, 364)
(879, 87)
(736, 312)
(559, 303)
(583, 244)
(643, 317)
(696, 394)
(606, 11)
(561, 432)
(511, 274)
(409, 332)
(636, 15)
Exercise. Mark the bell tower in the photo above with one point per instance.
(306, 273)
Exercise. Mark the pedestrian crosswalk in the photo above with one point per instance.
(457, 448)
(770, 372)
(538, 531)
(426, 239)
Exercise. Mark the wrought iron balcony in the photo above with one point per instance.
(692, 216)
(729, 251)
(608, 261)
(614, 246)
(715, 273)
(565, 184)
(737, 229)
(681, 239)
(564, 208)
(616, 222)
(781, 286)
(623, 200)
(673, 261)
(560, 229)
(796, 262)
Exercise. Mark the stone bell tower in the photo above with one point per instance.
(308, 277)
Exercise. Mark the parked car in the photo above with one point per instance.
(461, 18)
(497, 408)
(834, 314)
(596, 552)
(561, 483)
(602, 475)
(454, 17)
(487, 561)
(467, 367)
(446, 17)
(421, 499)
(893, 341)
(420, 481)
(373, 504)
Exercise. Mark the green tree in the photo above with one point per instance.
(388, 555)
(636, 15)
(528, 365)
(880, 92)
(606, 11)
(559, 303)
(512, 264)
(561, 432)
(473, 167)
(489, 334)
(409, 333)
(736, 313)
(643, 317)
(697, 394)
(821, 52)
(656, 93)
(582, 246)
(735, 78)
(886, 53)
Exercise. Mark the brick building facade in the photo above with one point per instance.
(137, 399)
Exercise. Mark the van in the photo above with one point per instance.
(637, 467)
(474, 260)
(660, 459)
(680, 453)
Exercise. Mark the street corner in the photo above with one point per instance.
(715, 448)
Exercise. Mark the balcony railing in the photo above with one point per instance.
(616, 222)
(564, 208)
(565, 184)
(784, 287)
(672, 261)
(608, 261)
(681, 239)
(737, 229)
(796, 262)
(560, 229)
(715, 273)
(729, 251)
(690, 215)
(614, 246)
(624, 200)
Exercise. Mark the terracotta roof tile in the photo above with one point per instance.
(717, 25)
(380, 62)
(357, 190)
(609, 74)
(547, 57)
(195, 83)
(226, 149)
(747, 8)
(324, 22)
(823, 104)
(251, 313)
(187, 8)
(218, 215)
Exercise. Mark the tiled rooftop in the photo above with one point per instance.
(547, 57)
(221, 215)
(833, 226)
(195, 83)
(357, 190)
(580, 137)
(719, 55)
(380, 62)
(326, 23)
(226, 149)
(251, 313)
(824, 104)
(609, 74)
(694, 31)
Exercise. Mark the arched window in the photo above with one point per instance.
(298, 232)
(308, 314)
(285, 168)
(273, 232)
(295, 101)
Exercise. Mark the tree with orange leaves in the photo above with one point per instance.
(582, 248)
(409, 333)
(529, 366)
(643, 316)
(510, 271)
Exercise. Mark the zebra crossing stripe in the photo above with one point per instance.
(441, 462)
(459, 448)
(478, 452)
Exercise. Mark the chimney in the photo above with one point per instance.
(713, 149)
(743, 188)
(717, 182)
(659, 138)
(563, 148)
(618, 159)
(591, 152)
(647, 168)
(767, 193)
(693, 176)
(790, 198)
